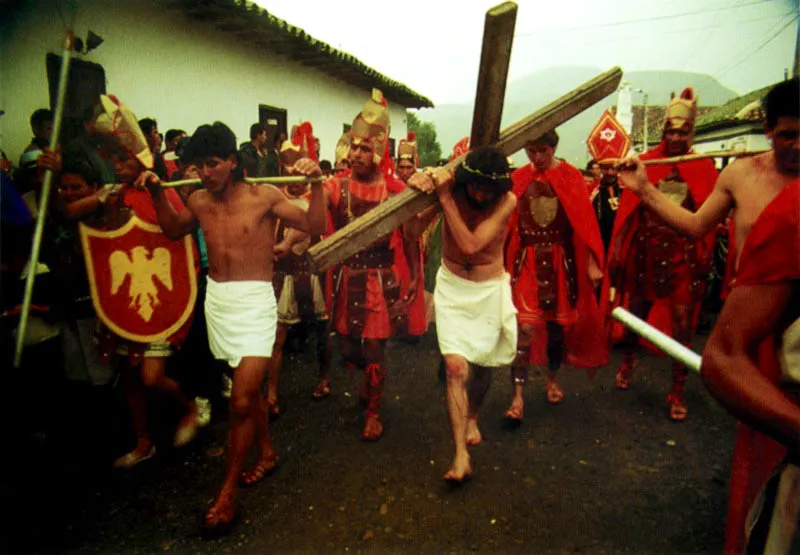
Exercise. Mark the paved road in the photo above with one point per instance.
(604, 472)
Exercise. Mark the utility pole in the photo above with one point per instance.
(796, 68)
(644, 118)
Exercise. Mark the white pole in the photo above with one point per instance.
(43, 202)
(685, 356)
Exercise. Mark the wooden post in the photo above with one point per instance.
(498, 36)
(41, 216)
(380, 221)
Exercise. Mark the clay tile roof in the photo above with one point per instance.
(245, 19)
(743, 108)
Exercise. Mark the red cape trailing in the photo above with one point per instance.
(584, 342)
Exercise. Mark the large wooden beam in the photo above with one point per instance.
(498, 36)
(382, 220)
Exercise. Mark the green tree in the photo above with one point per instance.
(428, 147)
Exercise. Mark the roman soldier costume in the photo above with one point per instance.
(653, 268)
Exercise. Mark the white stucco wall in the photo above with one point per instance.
(166, 66)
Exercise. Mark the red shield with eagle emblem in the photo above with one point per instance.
(143, 285)
(608, 139)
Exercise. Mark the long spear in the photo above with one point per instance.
(685, 356)
(44, 201)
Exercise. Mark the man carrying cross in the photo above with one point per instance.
(475, 316)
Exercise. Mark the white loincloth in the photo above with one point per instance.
(475, 319)
(242, 318)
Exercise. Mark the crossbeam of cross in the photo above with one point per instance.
(498, 33)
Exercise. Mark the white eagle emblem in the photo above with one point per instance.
(142, 267)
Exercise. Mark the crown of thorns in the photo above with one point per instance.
(479, 173)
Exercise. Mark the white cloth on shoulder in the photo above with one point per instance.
(475, 319)
(242, 319)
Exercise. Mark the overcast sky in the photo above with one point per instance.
(433, 46)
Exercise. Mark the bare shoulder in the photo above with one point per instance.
(509, 202)
(266, 195)
(743, 170)
(198, 200)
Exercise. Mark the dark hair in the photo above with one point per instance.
(40, 116)
(256, 129)
(80, 165)
(325, 165)
(181, 146)
(147, 125)
(485, 165)
(173, 133)
(782, 100)
(591, 163)
(550, 139)
(213, 140)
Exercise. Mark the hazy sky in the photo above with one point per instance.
(433, 46)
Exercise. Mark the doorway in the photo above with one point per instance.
(274, 120)
(87, 81)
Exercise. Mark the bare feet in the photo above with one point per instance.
(473, 433)
(144, 450)
(187, 427)
(554, 393)
(264, 467)
(373, 429)
(461, 469)
(220, 517)
(514, 412)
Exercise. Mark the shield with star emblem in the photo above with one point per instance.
(143, 285)
(608, 139)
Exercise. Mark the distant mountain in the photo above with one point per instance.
(529, 93)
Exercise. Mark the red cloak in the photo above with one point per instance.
(700, 176)
(769, 255)
(584, 343)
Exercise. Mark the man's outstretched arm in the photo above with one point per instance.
(174, 224)
(697, 224)
(729, 368)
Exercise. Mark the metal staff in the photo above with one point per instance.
(253, 181)
(685, 356)
(45, 198)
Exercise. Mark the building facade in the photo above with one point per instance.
(185, 63)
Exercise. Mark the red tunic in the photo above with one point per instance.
(769, 255)
(649, 260)
(566, 241)
(367, 302)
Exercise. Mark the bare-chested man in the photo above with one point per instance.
(747, 185)
(740, 365)
(238, 223)
(475, 315)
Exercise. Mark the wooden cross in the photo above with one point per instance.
(495, 56)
